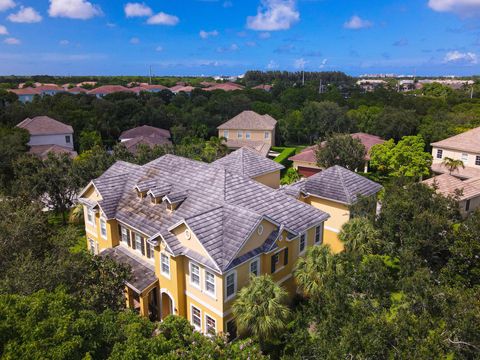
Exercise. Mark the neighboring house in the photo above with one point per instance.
(26, 94)
(370, 85)
(333, 190)
(101, 91)
(181, 88)
(76, 90)
(306, 161)
(228, 86)
(193, 233)
(48, 135)
(265, 87)
(467, 191)
(147, 135)
(249, 129)
(464, 147)
(247, 162)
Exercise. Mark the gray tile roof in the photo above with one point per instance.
(260, 147)
(45, 125)
(249, 120)
(247, 162)
(335, 183)
(220, 206)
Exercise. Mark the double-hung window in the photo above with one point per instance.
(210, 325)
(209, 283)
(477, 160)
(149, 250)
(439, 153)
(125, 236)
(266, 135)
(165, 264)
(139, 244)
(302, 243)
(318, 234)
(67, 139)
(465, 158)
(255, 267)
(239, 134)
(90, 216)
(195, 274)
(103, 228)
(225, 134)
(230, 288)
(196, 318)
(247, 135)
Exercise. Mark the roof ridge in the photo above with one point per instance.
(342, 181)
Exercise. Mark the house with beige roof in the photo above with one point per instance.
(147, 135)
(249, 129)
(48, 135)
(306, 161)
(466, 192)
(193, 233)
(464, 147)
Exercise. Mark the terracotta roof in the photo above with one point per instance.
(176, 87)
(308, 154)
(26, 91)
(44, 125)
(265, 87)
(446, 184)
(42, 151)
(179, 88)
(154, 87)
(259, 146)
(467, 172)
(50, 87)
(109, 89)
(248, 162)
(144, 130)
(468, 141)
(76, 89)
(225, 87)
(249, 120)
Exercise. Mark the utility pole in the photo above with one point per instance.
(320, 88)
(150, 76)
(303, 74)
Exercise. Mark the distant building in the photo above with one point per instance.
(228, 86)
(101, 91)
(147, 135)
(265, 87)
(370, 85)
(48, 135)
(26, 94)
(249, 129)
(306, 161)
(464, 147)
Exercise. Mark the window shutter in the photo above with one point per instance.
(273, 264)
(148, 250)
(143, 245)
(285, 257)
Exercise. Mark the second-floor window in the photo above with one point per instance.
(239, 134)
(230, 288)
(67, 139)
(464, 157)
(318, 235)
(255, 267)
(103, 228)
(477, 160)
(90, 216)
(209, 283)
(266, 135)
(194, 274)
(139, 244)
(439, 154)
(125, 236)
(165, 264)
(225, 134)
(302, 243)
(275, 261)
(247, 135)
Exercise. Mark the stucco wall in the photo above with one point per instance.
(453, 154)
(51, 139)
(255, 135)
(271, 179)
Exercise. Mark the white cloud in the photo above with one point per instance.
(25, 15)
(232, 47)
(323, 63)
(74, 9)
(460, 58)
(264, 35)
(137, 10)
(159, 48)
(206, 34)
(3, 30)
(274, 15)
(462, 7)
(163, 19)
(134, 40)
(272, 65)
(7, 4)
(300, 63)
(356, 22)
(11, 41)
(64, 42)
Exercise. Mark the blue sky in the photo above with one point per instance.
(210, 37)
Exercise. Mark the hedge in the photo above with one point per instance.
(284, 155)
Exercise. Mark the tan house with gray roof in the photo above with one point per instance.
(193, 234)
(249, 129)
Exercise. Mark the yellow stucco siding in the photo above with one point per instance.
(257, 239)
(204, 312)
(271, 179)
(189, 240)
(255, 135)
(312, 165)
(331, 238)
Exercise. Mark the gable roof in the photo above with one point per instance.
(337, 184)
(108, 89)
(44, 125)
(248, 162)
(249, 120)
(26, 91)
(446, 184)
(259, 146)
(309, 154)
(146, 131)
(220, 206)
(42, 151)
(469, 141)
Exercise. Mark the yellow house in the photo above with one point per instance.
(333, 191)
(193, 233)
(249, 129)
(250, 163)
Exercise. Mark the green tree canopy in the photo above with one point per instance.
(343, 150)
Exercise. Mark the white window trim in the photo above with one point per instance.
(92, 223)
(464, 158)
(320, 241)
(248, 135)
(106, 233)
(225, 134)
(300, 251)
(139, 250)
(167, 275)
(266, 135)
(234, 273)
(214, 294)
(191, 317)
(256, 260)
(199, 285)
(205, 319)
(239, 134)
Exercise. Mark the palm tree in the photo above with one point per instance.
(312, 271)
(215, 148)
(359, 236)
(452, 164)
(260, 309)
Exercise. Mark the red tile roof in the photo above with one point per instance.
(26, 91)
(225, 87)
(109, 89)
